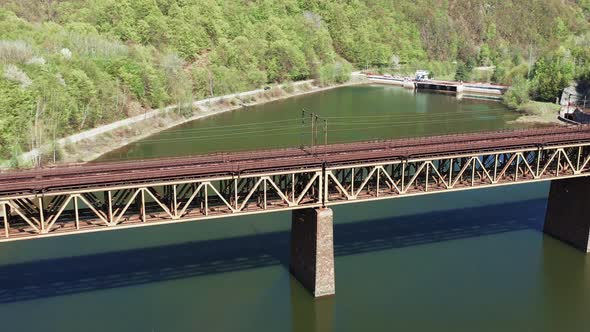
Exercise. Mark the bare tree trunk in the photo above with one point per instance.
(50, 11)
(84, 117)
(36, 138)
(210, 86)
(54, 143)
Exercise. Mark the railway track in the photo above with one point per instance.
(224, 164)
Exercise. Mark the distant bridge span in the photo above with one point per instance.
(109, 196)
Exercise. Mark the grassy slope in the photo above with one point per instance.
(71, 65)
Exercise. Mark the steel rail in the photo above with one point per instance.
(88, 198)
(280, 159)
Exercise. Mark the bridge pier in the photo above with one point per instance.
(568, 212)
(312, 250)
(5, 218)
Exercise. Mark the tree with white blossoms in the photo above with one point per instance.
(66, 53)
(15, 74)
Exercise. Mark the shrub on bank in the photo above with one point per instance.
(336, 73)
(518, 94)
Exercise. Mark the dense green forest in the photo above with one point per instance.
(69, 65)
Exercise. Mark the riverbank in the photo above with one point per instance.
(538, 113)
(94, 143)
(90, 145)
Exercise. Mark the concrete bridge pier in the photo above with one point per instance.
(312, 250)
(568, 212)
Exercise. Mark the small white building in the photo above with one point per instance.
(422, 75)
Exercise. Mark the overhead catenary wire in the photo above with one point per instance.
(285, 131)
(532, 137)
(291, 127)
(256, 133)
(247, 128)
(241, 125)
(287, 145)
(297, 120)
(415, 114)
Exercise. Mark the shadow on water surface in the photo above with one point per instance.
(54, 277)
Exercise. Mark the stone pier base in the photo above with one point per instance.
(312, 250)
(568, 212)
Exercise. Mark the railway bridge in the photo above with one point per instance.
(75, 199)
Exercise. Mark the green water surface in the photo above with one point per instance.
(352, 113)
(463, 261)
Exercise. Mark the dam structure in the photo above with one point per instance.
(462, 89)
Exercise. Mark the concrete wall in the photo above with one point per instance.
(580, 117)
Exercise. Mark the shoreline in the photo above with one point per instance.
(92, 144)
(538, 113)
(217, 108)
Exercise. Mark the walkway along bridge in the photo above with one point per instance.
(96, 197)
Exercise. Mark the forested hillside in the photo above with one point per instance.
(69, 65)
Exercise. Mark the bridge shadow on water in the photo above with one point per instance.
(71, 275)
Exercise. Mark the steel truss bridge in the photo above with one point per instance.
(97, 197)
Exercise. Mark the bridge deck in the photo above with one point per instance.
(96, 175)
(96, 197)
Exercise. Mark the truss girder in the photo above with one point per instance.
(95, 209)
(26, 217)
(428, 175)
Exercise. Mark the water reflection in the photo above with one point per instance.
(354, 113)
(70, 275)
(309, 314)
(565, 286)
(468, 261)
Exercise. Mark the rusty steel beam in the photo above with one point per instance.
(360, 172)
(240, 163)
(97, 209)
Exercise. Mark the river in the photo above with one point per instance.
(463, 261)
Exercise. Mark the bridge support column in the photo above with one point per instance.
(568, 212)
(5, 218)
(312, 250)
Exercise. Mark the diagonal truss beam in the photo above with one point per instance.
(28, 216)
